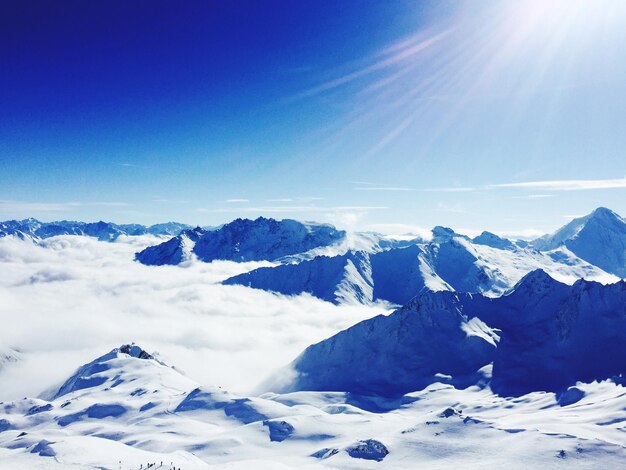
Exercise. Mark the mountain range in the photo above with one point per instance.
(104, 231)
(502, 351)
(543, 335)
(486, 264)
(243, 240)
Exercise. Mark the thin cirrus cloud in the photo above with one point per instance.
(13, 207)
(131, 165)
(534, 196)
(384, 188)
(549, 185)
(564, 185)
(297, 198)
(236, 201)
(452, 189)
(293, 209)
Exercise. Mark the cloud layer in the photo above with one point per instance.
(73, 298)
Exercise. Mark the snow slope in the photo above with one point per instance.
(544, 335)
(599, 238)
(126, 409)
(395, 276)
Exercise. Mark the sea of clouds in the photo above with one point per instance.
(70, 299)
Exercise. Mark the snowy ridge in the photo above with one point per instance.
(395, 276)
(144, 412)
(544, 335)
(246, 240)
(449, 262)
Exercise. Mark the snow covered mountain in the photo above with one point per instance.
(599, 238)
(174, 251)
(127, 409)
(544, 335)
(394, 275)
(8, 357)
(487, 264)
(246, 240)
(105, 231)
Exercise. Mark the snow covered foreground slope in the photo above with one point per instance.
(127, 409)
(244, 240)
(544, 335)
(453, 262)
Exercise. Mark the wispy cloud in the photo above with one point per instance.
(549, 185)
(565, 185)
(30, 207)
(452, 189)
(534, 196)
(384, 188)
(162, 200)
(297, 198)
(401, 230)
(131, 165)
(406, 189)
(454, 208)
(236, 201)
(294, 209)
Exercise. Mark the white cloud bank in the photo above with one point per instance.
(75, 298)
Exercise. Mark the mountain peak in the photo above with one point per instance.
(604, 213)
(535, 280)
(244, 240)
(443, 233)
(134, 351)
(492, 240)
(598, 238)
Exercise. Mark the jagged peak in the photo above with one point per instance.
(134, 350)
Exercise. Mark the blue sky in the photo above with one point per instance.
(500, 115)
